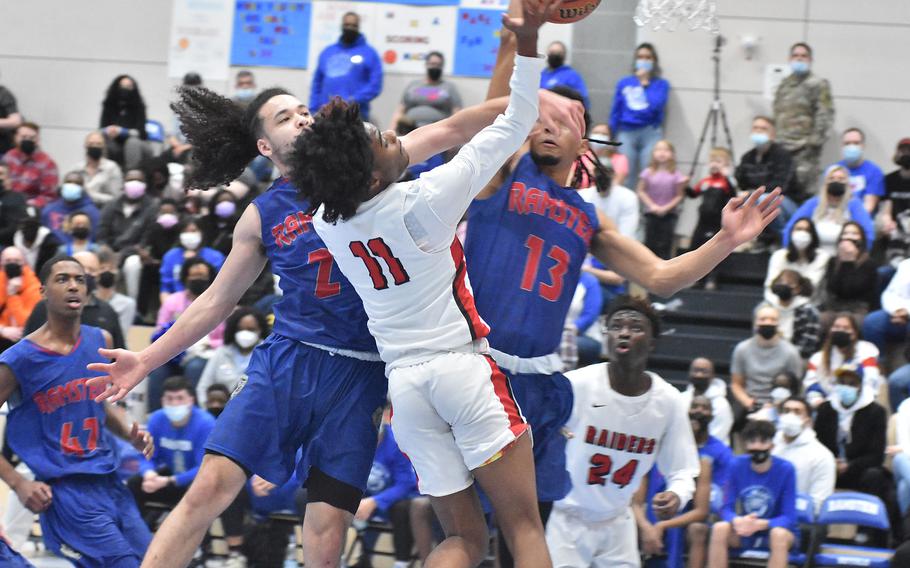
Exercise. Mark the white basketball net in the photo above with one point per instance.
(669, 14)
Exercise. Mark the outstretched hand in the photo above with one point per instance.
(142, 441)
(557, 111)
(534, 13)
(744, 218)
(120, 376)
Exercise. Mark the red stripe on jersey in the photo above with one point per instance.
(463, 297)
(503, 391)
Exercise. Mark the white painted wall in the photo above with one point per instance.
(861, 48)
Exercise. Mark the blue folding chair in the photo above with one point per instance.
(155, 131)
(805, 516)
(859, 509)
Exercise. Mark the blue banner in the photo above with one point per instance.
(476, 42)
(271, 34)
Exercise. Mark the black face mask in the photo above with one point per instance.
(107, 279)
(434, 73)
(28, 147)
(80, 233)
(215, 410)
(94, 152)
(837, 189)
(904, 161)
(841, 338)
(30, 231)
(90, 283)
(349, 36)
(699, 383)
(197, 286)
(555, 60)
(782, 291)
(12, 270)
(700, 417)
(767, 331)
(124, 93)
(760, 456)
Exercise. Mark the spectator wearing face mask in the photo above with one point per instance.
(608, 154)
(803, 113)
(31, 171)
(431, 98)
(784, 385)
(757, 360)
(216, 398)
(123, 123)
(142, 271)
(759, 507)
(851, 278)
(73, 199)
(842, 346)
(558, 73)
(179, 430)
(244, 329)
(867, 181)
(704, 382)
(831, 209)
(12, 209)
(218, 226)
(96, 312)
(667, 537)
(714, 192)
(78, 233)
(637, 115)
(108, 276)
(801, 255)
(244, 87)
(36, 242)
(853, 427)
(896, 201)
(190, 245)
(349, 69)
(800, 322)
(196, 276)
(797, 442)
(103, 177)
(20, 291)
(126, 219)
(767, 164)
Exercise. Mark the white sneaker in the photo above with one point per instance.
(235, 561)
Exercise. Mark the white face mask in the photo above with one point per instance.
(245, 338)
(790, 424)
(801, 239)
(191, 241)
(779, 394)
(177, 412)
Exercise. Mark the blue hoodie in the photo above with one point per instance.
(352, 72)
(567, 77)
(635, 106)
(858, 214)
(392, 477)
(180, 449)
(55, 213)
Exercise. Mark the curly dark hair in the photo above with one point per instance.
(233, 322)
(332, 166)
(223, 133)
(134, 100)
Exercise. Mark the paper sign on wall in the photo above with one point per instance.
(271, 34)
(476, 42)
(405, 34)
(200, 38)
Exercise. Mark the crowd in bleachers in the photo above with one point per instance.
(809, 395)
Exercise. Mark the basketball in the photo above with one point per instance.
(573, 11)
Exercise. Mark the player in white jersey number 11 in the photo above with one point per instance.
(453, 412)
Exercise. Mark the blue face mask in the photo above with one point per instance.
(71, 192)
(799, 67)
(846, 394)
(760, 138)
(852, 153)
(644, 65)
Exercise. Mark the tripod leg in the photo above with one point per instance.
(723, 119)
(710, 119)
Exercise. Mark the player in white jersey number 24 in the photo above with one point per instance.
(453, 412)
(624, 418)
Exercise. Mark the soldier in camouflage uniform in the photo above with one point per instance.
(804, 113)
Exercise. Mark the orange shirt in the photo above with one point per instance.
(15, 309)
